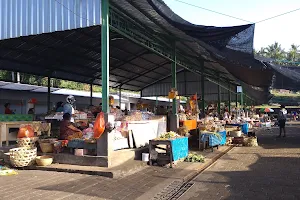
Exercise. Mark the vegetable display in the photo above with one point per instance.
(168, 135)
(193, 157)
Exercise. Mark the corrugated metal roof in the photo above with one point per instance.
(31, 17)
(70, 46)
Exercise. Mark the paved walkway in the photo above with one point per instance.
(47, 185)
(271, 171)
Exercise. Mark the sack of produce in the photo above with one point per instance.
(25, 131)
(99, 125)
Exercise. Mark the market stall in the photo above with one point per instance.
(175, 147)
(188, 117)
(138, 128)
(15, 121)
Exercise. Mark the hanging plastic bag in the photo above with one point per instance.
(25, 131)
(99, 125)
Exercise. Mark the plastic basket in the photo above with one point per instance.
(22, 157)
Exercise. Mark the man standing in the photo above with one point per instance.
(281, 120)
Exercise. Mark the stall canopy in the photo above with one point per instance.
(286, 77)
(69, 47)
(61, 39)
(232, 47)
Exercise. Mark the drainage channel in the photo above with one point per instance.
(177, 189)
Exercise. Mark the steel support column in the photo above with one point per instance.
(105, 54)
(229, 99)
(49, 94)
(219, 96)
(91, 94)
(120, 96)
(202, 88)
(156, 104)
(242, 99)
(174, 79)
(236, 99)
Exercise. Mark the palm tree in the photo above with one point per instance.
(275, 51)
(294, 53)
(262, 52)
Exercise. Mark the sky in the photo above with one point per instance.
(284, 29)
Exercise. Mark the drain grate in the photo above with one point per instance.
(169, 191)
(181, 191)
(173, 191)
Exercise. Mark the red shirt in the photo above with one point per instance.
(8, 111)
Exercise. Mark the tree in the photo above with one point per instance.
(275, 51)
(293, 54)
(5, 75)
(262, 52)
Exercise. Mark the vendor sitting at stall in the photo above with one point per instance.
(8, 111)
(67, 130)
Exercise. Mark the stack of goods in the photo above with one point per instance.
(168, 135)
(182, 117)
(183, 131)
(134, 116)
(80, 115)
(139, 116)
(147, 115)
(117, 113)
(191, 116)
(210, 125)
(26, 152)
(250, 142)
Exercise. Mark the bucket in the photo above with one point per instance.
(145, 157)
(80, 152)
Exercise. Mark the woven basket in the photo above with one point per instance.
(27, 142)
(22, 157)
(46, 147)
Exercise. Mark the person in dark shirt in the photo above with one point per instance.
(282, 120)
(8, 111)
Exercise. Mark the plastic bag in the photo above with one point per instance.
(99, 125)
(25, 131)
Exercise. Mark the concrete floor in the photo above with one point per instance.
(270, 171)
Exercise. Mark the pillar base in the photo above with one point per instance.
(174, 122)
(105, 142)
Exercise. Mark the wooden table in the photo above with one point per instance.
(176, 148)
(5, 126)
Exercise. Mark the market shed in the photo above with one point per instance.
(188, 83)
(126, 44)
(64, 42)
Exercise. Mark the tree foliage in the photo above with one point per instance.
(275, 51)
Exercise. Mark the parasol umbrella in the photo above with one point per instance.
(267, 110)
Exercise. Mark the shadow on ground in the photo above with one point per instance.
(270, 171)
(268, 138)
(129, 187)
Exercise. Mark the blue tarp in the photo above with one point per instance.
(180, 148)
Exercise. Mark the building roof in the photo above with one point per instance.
(62, 40)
